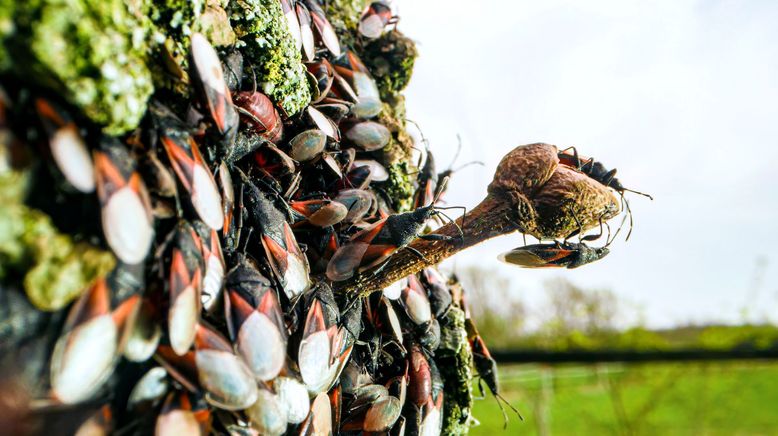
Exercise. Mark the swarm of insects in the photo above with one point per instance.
(229, 221)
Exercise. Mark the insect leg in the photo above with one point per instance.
(418, 253)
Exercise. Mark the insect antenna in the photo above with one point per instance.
(459, 149)
(475, 162)
(442, 184)
(451, 170)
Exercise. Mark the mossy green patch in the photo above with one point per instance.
(56, 269)
(270, 48)
(92, 52)
(454, 359)
(399, 187)
(7, 28)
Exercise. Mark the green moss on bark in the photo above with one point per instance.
(173, 23)
(92, 52)
(270, 48)
(455, 360)
(56, 269)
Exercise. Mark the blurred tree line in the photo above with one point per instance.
(574, 318)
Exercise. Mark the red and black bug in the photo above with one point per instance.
(127, 218)
(211, 86)
(212, 366)
(554, 255)
(427, 180)
(258, 112)
(325, 346)
(191, 168)
(375, 18)
(323, 27)
(67, 146)
(286, 259)
(319, 212)
(376, 243)
(598, 172)
(214, 266)
(185, 284)
(595, 170)
(255, 320)
(361, 84)
(97, 327)
(486, 367)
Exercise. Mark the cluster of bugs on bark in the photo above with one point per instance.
(230, 220)
(232, 228)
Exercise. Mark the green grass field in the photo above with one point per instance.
(722, 398)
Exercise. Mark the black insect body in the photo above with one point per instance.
(486, 367)
(286, 259)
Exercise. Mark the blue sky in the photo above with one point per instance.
(680, 96)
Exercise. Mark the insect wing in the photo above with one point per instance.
(536, 256)
(208, 69)
(324, 28)
(196, 178)
(306, 33)
(292, 23)
(126, 207)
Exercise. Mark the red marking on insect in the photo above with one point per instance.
(255, 320)
(209, 80)
(189, 165)
(184, 287)
(227, 381)
(95, 325)
(286, 259)
(374, 244)
(125, 203)
(323, 27)
(375, 18)
(320, 212)
(554, 255)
